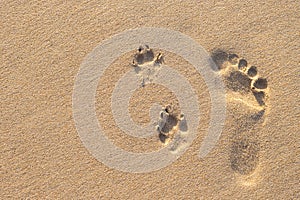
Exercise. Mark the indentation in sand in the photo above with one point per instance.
(171, 126)
(239, 76)
(247, 94)
(244, 155)
(172, 129)
(146, 64)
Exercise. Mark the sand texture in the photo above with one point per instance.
(256, 48)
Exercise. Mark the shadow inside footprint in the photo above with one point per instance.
(219, 57)
(170, 123)
(183, 125)
(244, 156)
(252, 71)
(162, 137)
(139, 58)
(149, 56)
(261, 83)
(168, 120)
(238, 81)
(242, 64)
(257, 116)
(241, 78)
(260, 97)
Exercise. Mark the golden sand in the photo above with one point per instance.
(43, 45)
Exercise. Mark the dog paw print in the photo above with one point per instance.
(146, 64)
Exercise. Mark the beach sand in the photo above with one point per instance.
(43, 45)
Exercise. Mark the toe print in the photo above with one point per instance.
(219, 57)
(260, 83)
(233, 58)
(252, 71)
(242, 64)
(258, 87)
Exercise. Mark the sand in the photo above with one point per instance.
(43, 45)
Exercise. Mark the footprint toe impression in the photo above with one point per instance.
(252, 71)
(260, 83)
